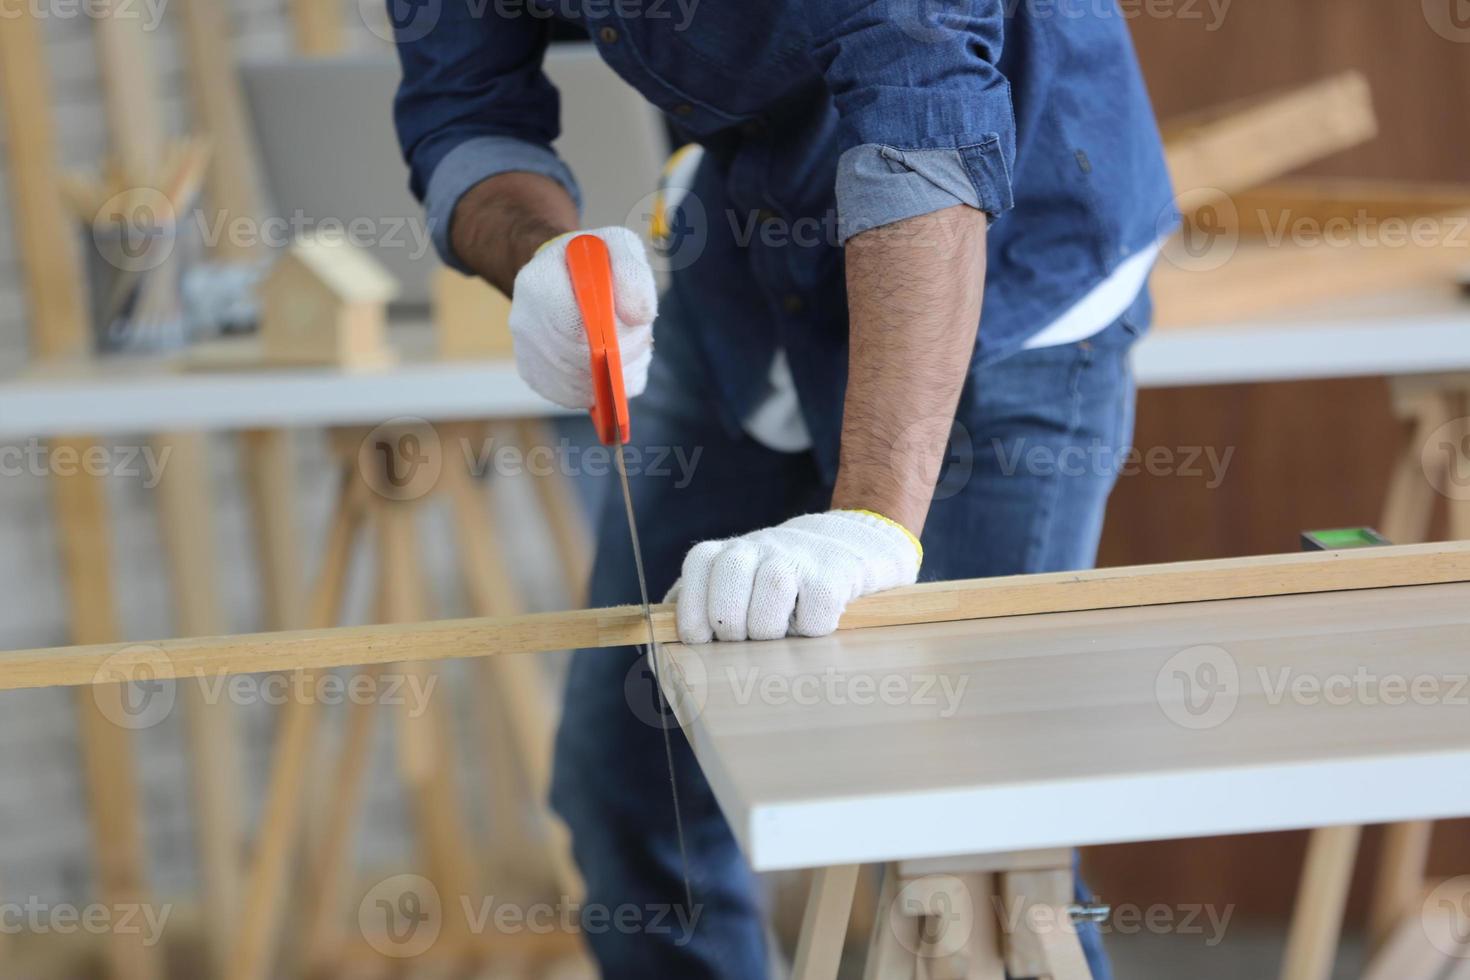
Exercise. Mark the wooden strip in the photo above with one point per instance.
(824, 924)
(1233, 147)
(1316, 922)
(931, 602)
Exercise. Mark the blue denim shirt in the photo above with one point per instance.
(820, 119)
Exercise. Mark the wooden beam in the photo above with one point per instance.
(49, 262)
(824, 924)
(1230, 148)
(1316, 923)
(932, 602)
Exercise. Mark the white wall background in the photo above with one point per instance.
(44, 835)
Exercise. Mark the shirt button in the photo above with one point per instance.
(753, 127)
(683, 109)
(608, 35)
(792, 303)
(766, 214)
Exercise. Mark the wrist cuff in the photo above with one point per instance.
(906, 532)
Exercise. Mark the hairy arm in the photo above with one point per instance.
(500, 222)
(914, 289)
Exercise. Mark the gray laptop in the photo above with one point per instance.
(330, 155)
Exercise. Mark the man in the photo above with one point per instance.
(951, 155)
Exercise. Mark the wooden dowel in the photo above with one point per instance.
(933, 602)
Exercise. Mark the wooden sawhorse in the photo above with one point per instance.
(982, 917)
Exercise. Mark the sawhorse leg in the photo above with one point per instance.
(969, 918)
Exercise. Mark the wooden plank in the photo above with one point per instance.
(1316, 922)
(1233, 147)
(1261, 279)
(1325, 201)
(50, 265)
(931, 602)
(824, 924)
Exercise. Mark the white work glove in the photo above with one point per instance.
(550, 341)
(797, 577)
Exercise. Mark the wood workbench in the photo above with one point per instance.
(1081, 728)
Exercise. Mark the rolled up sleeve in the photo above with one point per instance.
(474, 102)
(925, 113)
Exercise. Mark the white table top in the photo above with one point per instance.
(1074, 728)
(1405, 333)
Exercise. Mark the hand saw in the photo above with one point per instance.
(592, 284)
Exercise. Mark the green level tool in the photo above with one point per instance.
(1337, 538)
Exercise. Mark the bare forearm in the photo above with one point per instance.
(500, 222)
(914, 290)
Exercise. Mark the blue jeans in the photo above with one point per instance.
(1033, 458)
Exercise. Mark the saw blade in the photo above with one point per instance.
(656, 668)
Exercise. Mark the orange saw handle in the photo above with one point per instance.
(592, 283)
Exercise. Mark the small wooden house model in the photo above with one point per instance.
(325, 302)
